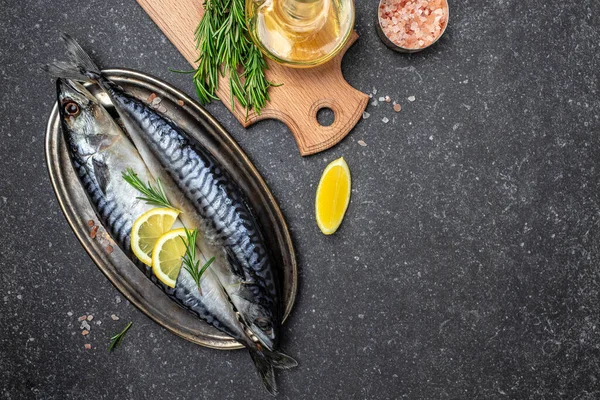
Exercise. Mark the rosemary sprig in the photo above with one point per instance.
(154, 195)
(190, 263)
(118, 338)
(225, 48)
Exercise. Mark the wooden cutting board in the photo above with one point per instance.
(296, 102)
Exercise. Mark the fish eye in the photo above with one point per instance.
(71, 108)
(263, 324)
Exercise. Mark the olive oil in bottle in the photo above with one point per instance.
(300, 33)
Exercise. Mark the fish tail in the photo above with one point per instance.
(265, 362)
(80, 68)
(265, 370)
(280, 360)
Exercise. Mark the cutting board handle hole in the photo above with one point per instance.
(325, 116)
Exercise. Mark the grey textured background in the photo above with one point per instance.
(467, 265)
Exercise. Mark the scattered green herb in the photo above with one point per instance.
(118, 338)
(226, 48)
(152, 195)
(190, 263)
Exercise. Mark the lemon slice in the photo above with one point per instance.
(333, 196)
(166, 256)
(148, 228)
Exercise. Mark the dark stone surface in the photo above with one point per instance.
(467, 266)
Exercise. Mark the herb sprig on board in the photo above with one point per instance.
(190, 263)
(226, 49)
(154, 195)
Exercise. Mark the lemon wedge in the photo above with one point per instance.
(333, 196)
(167, 254)
(148, 228)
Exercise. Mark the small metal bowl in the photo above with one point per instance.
(401, 49)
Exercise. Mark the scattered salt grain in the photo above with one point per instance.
(362, 143)
(366, 115)
(374, 91)
(82, 318)
(156, 101)
(375, 103)
(397, 107)
(385, 120)
(114, 317)
(70, 313)
(118, 299)
(388, 99)
(382, 99)
(90, 317)
(85, 325)
(411, 98)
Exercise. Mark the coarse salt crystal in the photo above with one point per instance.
(362, 143)
(366, 115)
(411, 98)
(385, 120)
(413, 24)
(381, 99)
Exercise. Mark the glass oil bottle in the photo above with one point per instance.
(300, 33)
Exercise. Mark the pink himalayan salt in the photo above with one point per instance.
(413, 24)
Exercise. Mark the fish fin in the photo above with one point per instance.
(101, 174)
(280, 360)
(244, 292)
(78, 56)
(235, 267)
(64, 69)
(265, 370)
(80, 68)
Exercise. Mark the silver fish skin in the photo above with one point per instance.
(223, 214)
(229, 230)
(100, 152)
(225, 219)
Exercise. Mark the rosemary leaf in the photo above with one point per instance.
(118, 338)
(225, 48)
(190, 264)
(154, 195)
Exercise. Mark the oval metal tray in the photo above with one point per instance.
(117, 267)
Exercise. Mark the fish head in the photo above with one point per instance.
(262, 323)
(87, 126)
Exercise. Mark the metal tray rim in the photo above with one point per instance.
(216, 342)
